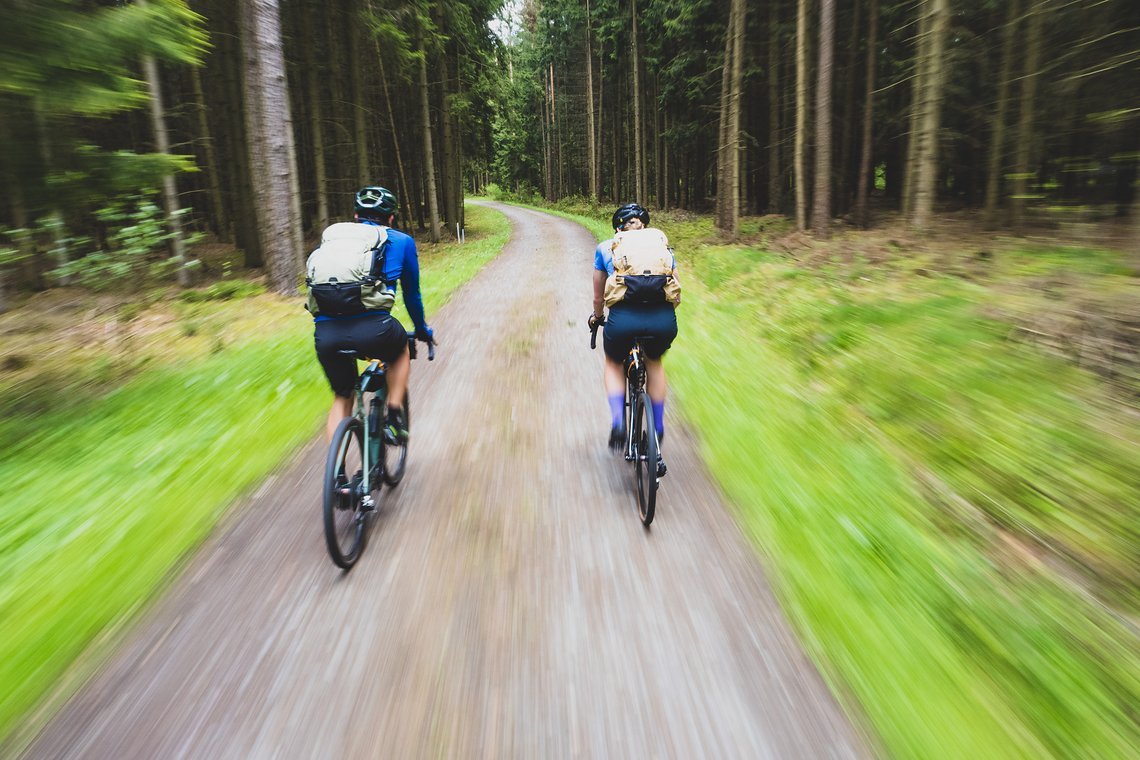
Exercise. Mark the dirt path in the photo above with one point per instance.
(509, 604)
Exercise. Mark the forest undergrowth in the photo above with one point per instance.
(933, 443)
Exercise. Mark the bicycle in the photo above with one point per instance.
(641, 444)
(358, 447)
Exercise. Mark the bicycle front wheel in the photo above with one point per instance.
(645, 439)
(344, 491)
(395, 457)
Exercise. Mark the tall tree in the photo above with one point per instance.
(429, 154)
(997, 130)
(1025, 122)
(801, 114)
(928, 142)
(775, 180)
(864, 181)
(272, 158)
(821, 215)
(635, 52)
(591, 145)
(169, 190)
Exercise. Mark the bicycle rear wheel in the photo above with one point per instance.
(645, 439)
(344, 491)
(395, 458)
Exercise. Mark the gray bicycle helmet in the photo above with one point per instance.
(374, 202)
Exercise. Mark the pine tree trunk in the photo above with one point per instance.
(801, 114)
(927, 160)
(634, 47)
(821, 215)
(847, 120)
(405, 190)
(723, 129)
(429, 155)
(997, 133)
(917, 101)
(1025, 127)
(775, 196)
(359, 104)
(218, 209)
(735, 97)
(320, 169)
(169, 190)
(864, 181)
(272, 159)
(591, 146)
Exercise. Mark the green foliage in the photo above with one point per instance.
(223, 290)
(136, 238)
(917, 480)
(73, 59)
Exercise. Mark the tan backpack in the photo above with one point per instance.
(643, 269)
(345, 274)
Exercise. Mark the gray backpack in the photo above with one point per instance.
(345, 274)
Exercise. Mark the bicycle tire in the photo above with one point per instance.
(395, 458)
(646, 460)
(343, 503)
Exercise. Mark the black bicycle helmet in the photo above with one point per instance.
(375, 202)
(630, 211)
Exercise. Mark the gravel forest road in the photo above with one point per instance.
(509, 603)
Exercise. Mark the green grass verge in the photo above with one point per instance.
(104, 500)
(950, 518)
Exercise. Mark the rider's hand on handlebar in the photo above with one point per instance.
(426, 334)
(595, 321)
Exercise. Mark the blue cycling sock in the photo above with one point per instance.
(659, 417)
(617, 408)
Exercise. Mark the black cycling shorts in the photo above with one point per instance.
(656, 325)
(377, 336)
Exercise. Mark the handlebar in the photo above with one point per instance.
(594, 334)
(430, 344)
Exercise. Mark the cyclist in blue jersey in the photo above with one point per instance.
(656, 324)
(376, 334)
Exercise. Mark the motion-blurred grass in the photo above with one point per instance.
(949, 516)
(106, 494)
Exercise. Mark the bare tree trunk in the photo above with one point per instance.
(169, 191)
(917, 99)
(735, 96)
(601, 118)
(429, 155)
(801, 114)
(775, 196)
(927, 160)
(842, 195)
(997, 134)
(218, 209)
(639, 178)
(591, 147)
(821, 216)
(667, 189)
(315, 111)
(270, 127)
(721, 216)
(658, 140)
(359, 104)
(1025, 132)
(868, 123)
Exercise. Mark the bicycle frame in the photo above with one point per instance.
(373, 380)
(635, 377)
